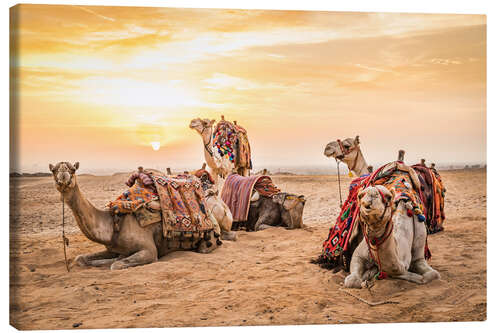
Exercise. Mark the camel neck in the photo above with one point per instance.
(95, 224)
(388, 252)
(208, 148)
(358, 165)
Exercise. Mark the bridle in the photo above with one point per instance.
(206, 144)
(348, 151)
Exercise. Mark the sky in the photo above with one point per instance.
(99, 84)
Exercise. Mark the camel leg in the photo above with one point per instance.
(259, 222)
(84, 260)
(420, 266)
(139, 258)
(357, 271)
(264, 226)
(228, 235)
(370, 273)
(410, 276)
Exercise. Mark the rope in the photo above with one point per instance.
(65, 240)
(368, 302)
(338, 179)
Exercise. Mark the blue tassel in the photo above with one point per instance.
(421, 217)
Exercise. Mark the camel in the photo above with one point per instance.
(219, 166)
(132, 245)
(397, 241)
(348, 151)
(216, 207)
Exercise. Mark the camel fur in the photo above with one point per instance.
(401, 255)
(132, 245)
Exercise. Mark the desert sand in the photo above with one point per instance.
(265, 278)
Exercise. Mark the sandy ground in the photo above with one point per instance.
(265, 278)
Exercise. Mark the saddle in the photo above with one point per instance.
(176, 201)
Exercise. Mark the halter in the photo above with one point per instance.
(290, 197)
(348, 151)
(209, 151)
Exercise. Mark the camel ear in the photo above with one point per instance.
(356, 140)
(388, 194)
(51, 168)
(212, 122)
(76, 165)
(361, 194)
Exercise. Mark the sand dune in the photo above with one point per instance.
(264, 278)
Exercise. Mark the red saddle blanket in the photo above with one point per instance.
(345, 236)
(237, 191)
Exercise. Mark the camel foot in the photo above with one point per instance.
(81, 261)
(352, 281)
(229, 235)
(139, 258)
(263, 227)
(429, 276)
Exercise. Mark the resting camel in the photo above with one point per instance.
(219, 166)
(216, 207)
(399, 241)
(348, 151)
(132, 245)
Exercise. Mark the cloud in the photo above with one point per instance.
(86, 9)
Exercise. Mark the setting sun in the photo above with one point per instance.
(155, 145)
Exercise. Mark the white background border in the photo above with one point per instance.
(422, 6)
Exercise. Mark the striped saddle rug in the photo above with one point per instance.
(237, 191)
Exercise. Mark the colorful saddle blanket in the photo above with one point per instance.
(181, 200)
(182, 204)
(237, 191)
(433, 197)
(344, 236)
(132, 199)
(231, 140)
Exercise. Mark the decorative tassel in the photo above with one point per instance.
(421, 217)
(381, 275)
(350, 174)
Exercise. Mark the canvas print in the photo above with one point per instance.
(178, 167)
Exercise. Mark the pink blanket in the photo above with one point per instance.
(236, 194)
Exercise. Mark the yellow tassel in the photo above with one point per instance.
(350, 174)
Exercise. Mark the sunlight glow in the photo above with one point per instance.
(155, 145)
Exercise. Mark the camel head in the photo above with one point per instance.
(64, 175)
(201, 125)
(346, 151)
(375, 204)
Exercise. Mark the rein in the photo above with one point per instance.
(338, 179)
(64, 238)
